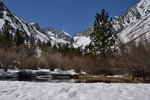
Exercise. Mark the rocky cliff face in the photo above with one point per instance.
(135, 25)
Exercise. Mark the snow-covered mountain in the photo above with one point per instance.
(82, 39)
(17, 23)
(57, 36)
(133, 26)
(47, 34)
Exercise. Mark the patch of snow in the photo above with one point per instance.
(95, 76)
(60, 72)
(46, 70)
(13, 70)
(10, 74)
(83, 73)
(32, 23)
(2, 22)
(58, 40)
(38, 52)
(66, 33)
(42, 37)
(4, 74)
(81, 41)
(72, 72)
(57, 70)
(119, 76)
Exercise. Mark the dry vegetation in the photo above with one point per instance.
(132, 59)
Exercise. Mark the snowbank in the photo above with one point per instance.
(28, 72)
(59, 71)
(4, 74)
(66, 91)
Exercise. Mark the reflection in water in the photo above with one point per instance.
(52, 80)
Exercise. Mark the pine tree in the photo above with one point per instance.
(6, 37)
(32, 48)
(64, 49)
(18, 39)
(48, 44)
(55, 48)
(103, 39)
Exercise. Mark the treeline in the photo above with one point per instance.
(21, 51)
(104, 55)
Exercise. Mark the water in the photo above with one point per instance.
(53, 80)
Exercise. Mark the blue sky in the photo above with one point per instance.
(70, 15)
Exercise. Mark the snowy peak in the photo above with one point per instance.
(36, 25)
(143, 7)
(57, 36)
(2, 7)
(51, 31)
(134, 25)
(44, 35)
(134, 14)
(6, 17)
(87, 32)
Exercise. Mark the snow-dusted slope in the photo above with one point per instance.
(82, 39)
(17, 23)
(33, 28)
(72, 91)
(135, 25)
(57, 36)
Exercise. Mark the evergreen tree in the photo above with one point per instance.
(55, 48)
(103, 39)
(44, 45)
(48, 44)
(88, 50)
(78, 51)
(32, 48)
(65, 49)
(6, 37)
(39, 43)
(18, 39)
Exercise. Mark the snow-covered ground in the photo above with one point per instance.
(72, 91)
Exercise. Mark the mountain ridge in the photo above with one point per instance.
(134, 25)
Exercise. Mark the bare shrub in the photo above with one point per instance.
(31, 63)
(7, 58)
(53, 60)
